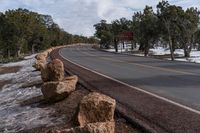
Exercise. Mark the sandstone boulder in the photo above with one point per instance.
(49, 50)
(99, 127)
(56, 70)
(41, 56)
(58, 90)
(39, 64)
(70, 82)
(44, 73)
(96, 107)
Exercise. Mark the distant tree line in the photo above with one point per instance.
(170, 25)
(23, 31)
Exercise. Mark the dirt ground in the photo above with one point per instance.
(69, 107)
(5, 70)
(4, 82)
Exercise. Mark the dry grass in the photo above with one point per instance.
(4, 70)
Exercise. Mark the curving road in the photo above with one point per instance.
(177, 82)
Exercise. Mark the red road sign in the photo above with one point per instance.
(125, 36)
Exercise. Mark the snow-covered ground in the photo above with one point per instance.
(165, 51)
(14, 116)
(119, 50)
(194, 56)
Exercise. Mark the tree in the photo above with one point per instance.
(197, 39)
(9, 32)
(169, 16)
(188, 24)
(135, 27)
(119, 26)
(23, 31)
(103, 32)
(148, 29)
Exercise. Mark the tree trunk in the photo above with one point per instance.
(132, 46)
(116, 46)
(167, 24)
(187, 50)
(173, 44)
(18, 53)
(8, 53)
(198, 47)
(135, 45)
(123, 45)
(33, 48)
(141, 48)
(146, 49)
(170, 43)
(171, 49)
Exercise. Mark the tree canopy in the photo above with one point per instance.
(23, 31)
(170, 24)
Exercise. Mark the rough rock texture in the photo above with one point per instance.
(41, 60)
(56, 70)
(39, 64)
(42, 56)
(70, 82)
(44, 73)
(96, 107)
(58, 90)
(99, 127)
(49, 50)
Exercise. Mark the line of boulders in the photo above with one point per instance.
(56, 86)
(41, 59)
(95, 111)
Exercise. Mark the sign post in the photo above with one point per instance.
(123, 37)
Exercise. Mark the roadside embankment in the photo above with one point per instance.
(50, 100)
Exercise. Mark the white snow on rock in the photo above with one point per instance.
(14, 115)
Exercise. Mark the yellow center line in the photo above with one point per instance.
(146, 66)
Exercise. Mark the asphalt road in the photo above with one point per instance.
(177, 81)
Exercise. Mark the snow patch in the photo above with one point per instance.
(15, 116)
(30, 56)
(25, 63)
(194, 55)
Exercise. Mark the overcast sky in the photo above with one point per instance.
(79, 16)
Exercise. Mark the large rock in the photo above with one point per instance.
(58, 90)
(96, 107)
(49, 50)
(56, 70)
(100, 127)
(42, 56)
(41, 60)
(44, 73)
(39, 64)
(70, 82)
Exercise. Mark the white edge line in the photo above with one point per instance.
(136, 88)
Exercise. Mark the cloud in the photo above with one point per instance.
(79, 16)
